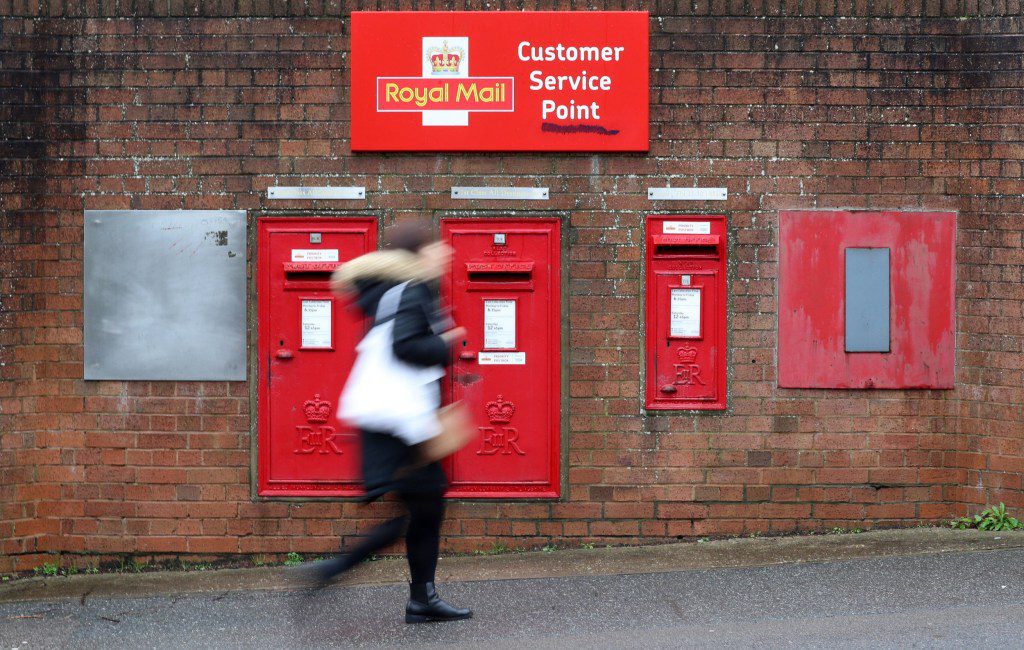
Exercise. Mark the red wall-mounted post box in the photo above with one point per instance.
(505, 288)
(686, 312)
(305, 349)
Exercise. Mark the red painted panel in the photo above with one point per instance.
(687, 256)
(508, 296)
(812, 306)
(509, 81)
(302, 449)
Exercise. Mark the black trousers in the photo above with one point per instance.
(422, 527)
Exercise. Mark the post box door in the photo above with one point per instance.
(686, 312)
(505, 288)
(305, 348)
(686, 347)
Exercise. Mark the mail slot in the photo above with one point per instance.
(686, 312)
(305, 349)
(488, 276)
(688, 245)
(307, 275)
(505, 288)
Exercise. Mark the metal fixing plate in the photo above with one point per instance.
(687, 193)
(501, 193)
(345, 193)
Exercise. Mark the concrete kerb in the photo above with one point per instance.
(741, 552)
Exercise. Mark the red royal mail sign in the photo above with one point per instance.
(499, 81)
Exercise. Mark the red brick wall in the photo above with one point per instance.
(40, 281)
(799, 104)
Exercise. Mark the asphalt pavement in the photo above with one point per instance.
(954, 599)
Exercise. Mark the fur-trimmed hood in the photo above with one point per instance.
(392, 267)
(368, 277)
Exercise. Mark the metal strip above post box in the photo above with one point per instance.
(687, 193)
(501, 193)
(356, 193)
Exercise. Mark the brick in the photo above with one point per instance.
(197, 113)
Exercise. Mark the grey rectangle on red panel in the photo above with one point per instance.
(867, 300)
(165, 294)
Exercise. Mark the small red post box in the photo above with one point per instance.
(505, 288)
(305, 349)
(686, 312)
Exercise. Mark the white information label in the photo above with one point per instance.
(502, 358)
(500, 324)
(685, 313)
(315, 255)
(687, 228)
(316, 323)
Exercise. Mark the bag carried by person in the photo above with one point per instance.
(457, 431)
(384, 393)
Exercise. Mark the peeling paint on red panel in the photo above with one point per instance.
(811, 300)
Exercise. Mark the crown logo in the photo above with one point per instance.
(316, 409)
(499, 411)
(444, 60)
(687, 354)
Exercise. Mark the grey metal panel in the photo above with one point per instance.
(867, 299)
(165, 294)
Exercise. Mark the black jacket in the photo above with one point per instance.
(418, 322)
(387, 462)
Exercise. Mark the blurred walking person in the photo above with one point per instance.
(392, 397)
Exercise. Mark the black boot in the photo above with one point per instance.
(425, 605)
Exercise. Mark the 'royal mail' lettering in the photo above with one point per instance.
(480, 94)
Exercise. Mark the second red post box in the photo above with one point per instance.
(686, 312)
(505, 287)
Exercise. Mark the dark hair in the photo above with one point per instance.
(410, 236)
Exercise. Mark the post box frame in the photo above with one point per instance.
(257, 329)
(563, 367)
(718, 275)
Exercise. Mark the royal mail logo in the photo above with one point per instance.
(445, 93)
